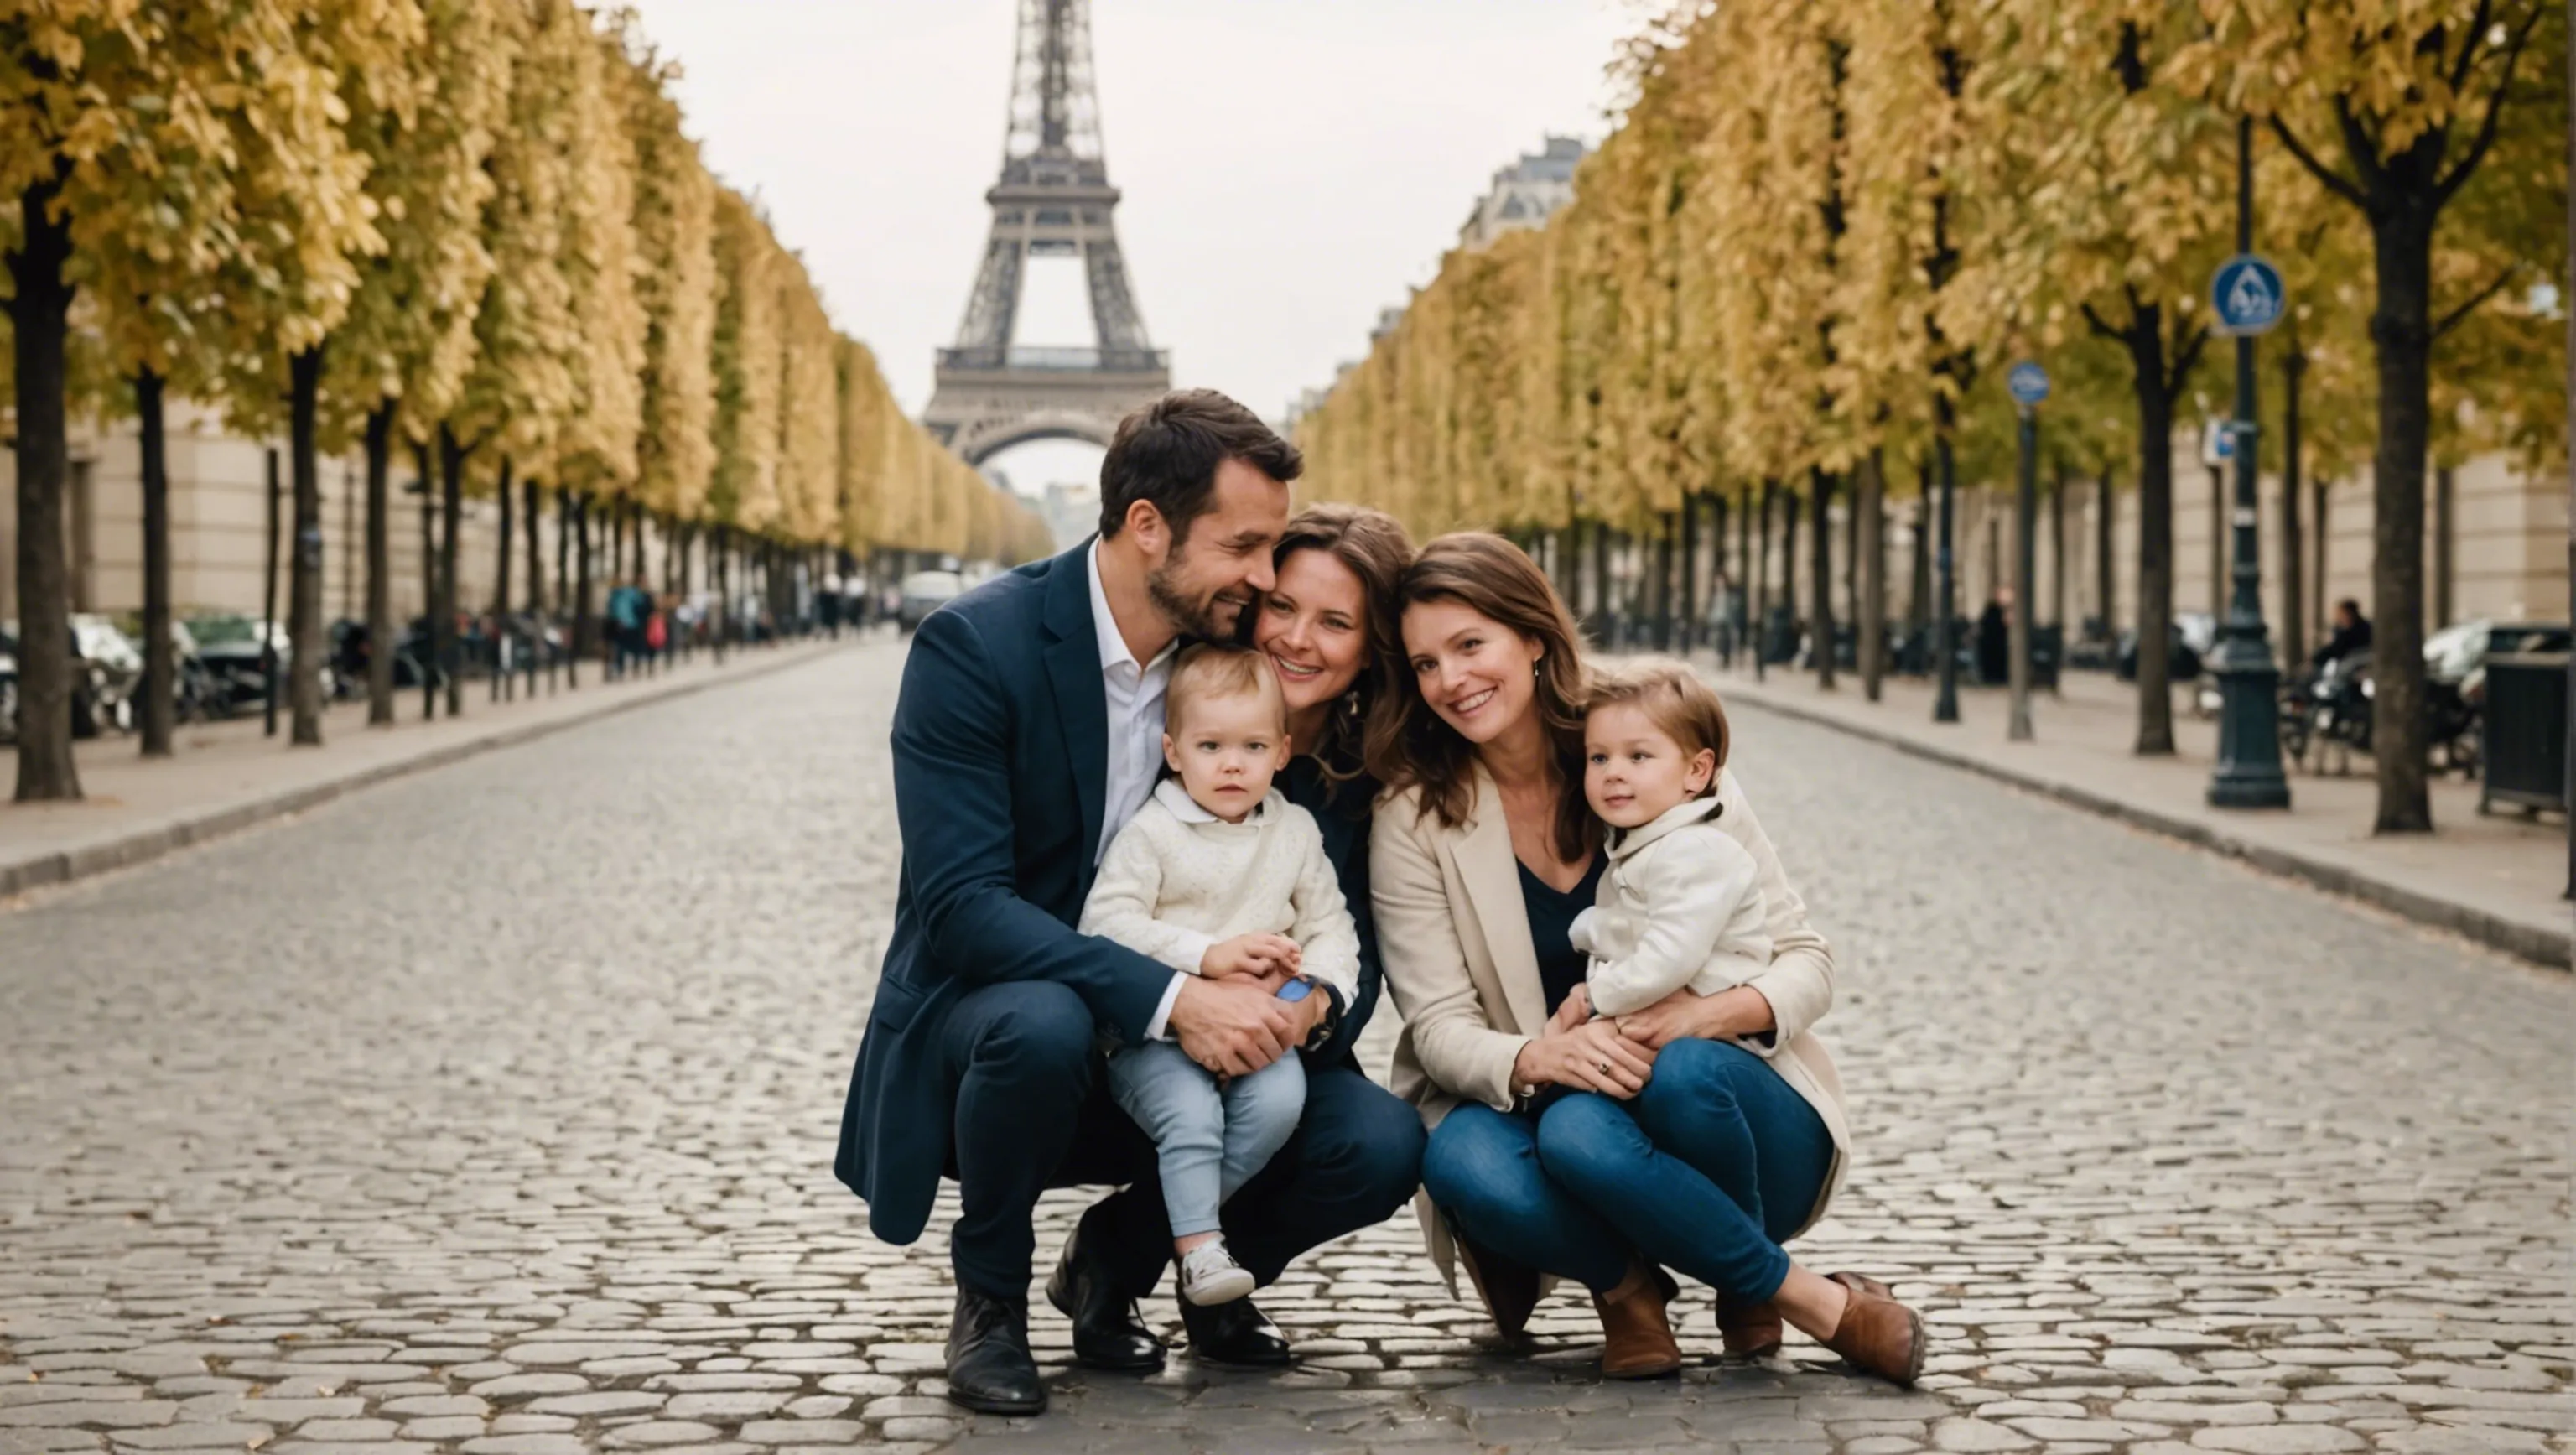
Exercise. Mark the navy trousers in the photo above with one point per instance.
(1034, 1112)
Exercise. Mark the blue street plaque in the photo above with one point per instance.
(2028, 383)
(2247, 295)
(2217, 442)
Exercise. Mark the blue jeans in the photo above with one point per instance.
(1704, 1172)
(1208, 1140)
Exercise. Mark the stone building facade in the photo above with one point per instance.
(219, 526)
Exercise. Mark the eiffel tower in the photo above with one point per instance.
(1054, 200)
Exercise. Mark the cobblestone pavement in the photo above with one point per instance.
(492, 1111)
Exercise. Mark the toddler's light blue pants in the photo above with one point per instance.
(1208, 1141)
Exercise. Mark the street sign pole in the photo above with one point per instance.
(2248, 301)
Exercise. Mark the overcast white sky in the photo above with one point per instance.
(1290, 166)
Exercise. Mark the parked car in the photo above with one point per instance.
(87, 710)
(9, 686)
(228, 648)
(2455, 653)
(113, 663)
(2455, 680)
(925, 592)
(2195, 635)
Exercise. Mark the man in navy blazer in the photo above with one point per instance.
(1028, 732)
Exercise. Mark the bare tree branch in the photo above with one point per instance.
(2186, 357)
(2469, 48)
(2459, 315)
(2445, 189)
(2326, 176)
(2104, 330)
(2367, 160)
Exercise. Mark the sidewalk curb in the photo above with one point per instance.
(48, 870)
(2527, 942)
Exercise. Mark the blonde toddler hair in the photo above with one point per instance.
(1674, 699)
(1219, 669)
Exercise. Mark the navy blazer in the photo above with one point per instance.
(1001, 757)
(1001, 753)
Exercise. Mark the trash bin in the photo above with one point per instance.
(2526, 731)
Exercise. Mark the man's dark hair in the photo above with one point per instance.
(1167, 454)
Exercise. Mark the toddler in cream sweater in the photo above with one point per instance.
(1219, 875)
(1681, 906)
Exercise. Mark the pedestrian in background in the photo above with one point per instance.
(627, 607)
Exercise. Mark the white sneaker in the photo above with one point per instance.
(1209, 1275)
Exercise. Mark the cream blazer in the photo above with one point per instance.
(1453, 934)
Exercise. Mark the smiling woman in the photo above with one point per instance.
(1698, 1133)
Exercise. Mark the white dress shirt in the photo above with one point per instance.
(1134, 694)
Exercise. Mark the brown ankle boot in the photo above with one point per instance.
(1877, 1334)
(1510, 1289)
(1748, 1330)
(1636, 1338)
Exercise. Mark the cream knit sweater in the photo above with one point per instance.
(1681, 906)
(1178, 879)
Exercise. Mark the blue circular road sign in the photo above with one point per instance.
(2028, 383)
(2247, 295)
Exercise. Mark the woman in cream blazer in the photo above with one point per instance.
(1699, 1134)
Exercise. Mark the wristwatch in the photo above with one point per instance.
(1324, 1028)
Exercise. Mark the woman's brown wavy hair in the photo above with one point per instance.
(1374, 546)
(1409, 746)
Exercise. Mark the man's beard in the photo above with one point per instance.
(1194, 618)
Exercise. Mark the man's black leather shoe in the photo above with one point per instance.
(1108, 1332)
(990, 1370)
(1234, 1336)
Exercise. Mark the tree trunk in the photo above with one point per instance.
(2106, 565)
(160, 655)
(504, 679)
(308, 643)
(1690, 613)
(2402, 330)
(41, 313)
(1601, 595)
(563, 592)
(531, 510)
(1869, 560)
(1945, 567)
(2323, 529)
(1718, 576)
(1664, 582)
(1851, 556)
(1820, 626)
(381, 641)
(1761, 610)
(451, 512)
(1918, 590)
(2064, 482)
(720, 569)
(582, 629)
(1789, 563)
(2155, 536)
(2445, 540)
(428, 581)
(1747, 572)
(268, 608)
(2294, 595)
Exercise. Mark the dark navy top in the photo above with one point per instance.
(1342, 812)
(1551, 926)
